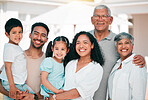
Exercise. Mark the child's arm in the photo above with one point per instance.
(47, 84)
(13, 90)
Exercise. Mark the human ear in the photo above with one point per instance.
(30, 35)
(52, 48)
(47, 39)
(92, 20)
(7, 34)
(67, 50)
(111, 20)
(92, 46)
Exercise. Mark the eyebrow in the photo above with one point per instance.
(39, 32)
(83, 40)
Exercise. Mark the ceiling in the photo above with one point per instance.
(117, 6)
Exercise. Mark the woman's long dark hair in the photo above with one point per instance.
(96, 53)
(49, 52)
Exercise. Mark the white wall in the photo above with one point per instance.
(140, 32)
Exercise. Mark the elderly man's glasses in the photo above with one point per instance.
(100, 16)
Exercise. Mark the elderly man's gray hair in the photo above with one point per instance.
(102, 7)
(124, 35)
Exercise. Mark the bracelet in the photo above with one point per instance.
(35, 97)
(54, 97)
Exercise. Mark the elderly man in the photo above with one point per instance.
(101, 20)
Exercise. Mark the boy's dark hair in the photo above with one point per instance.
(11, 23)
(40, 24)
(96, 53)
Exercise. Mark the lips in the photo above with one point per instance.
(17, 38)
(38, 41)
(100, 23)
(81, 50)
(124, 50)
(59, 55)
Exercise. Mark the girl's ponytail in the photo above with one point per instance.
(49, 50)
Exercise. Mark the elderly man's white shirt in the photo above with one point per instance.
(129, 82)
(86, 80)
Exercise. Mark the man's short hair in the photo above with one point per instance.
(40, 24)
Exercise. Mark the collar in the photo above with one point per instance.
(109, 37)
(123, 62)
(126, 60)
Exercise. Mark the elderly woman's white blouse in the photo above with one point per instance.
(129, 82)
(86, 80)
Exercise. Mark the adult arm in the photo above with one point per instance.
(29, 96)
(139, 60)
(47, 84)
(71, 94)
(3, 90)
(138, 82)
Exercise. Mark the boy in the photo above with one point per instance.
(14, 74)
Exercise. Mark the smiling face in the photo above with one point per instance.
(101, 23)
(83, 46)
(38, 37)
(59, 50)
(124, 48)
(15, 35)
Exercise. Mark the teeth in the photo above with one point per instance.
(59, 55)
(82, 50)
(123, 50)
(38, 42)
(99, 23)
(18, 39)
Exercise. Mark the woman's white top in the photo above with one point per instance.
(86, 80)
(129, 82)
(14, 53)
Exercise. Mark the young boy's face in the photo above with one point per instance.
(15, 35)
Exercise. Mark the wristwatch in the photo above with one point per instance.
(54, 97)
(35, 97)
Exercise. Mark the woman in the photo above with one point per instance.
(126, 81)
(84, 72)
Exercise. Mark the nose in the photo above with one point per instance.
(39, 36)
(81, 45)
(59, 51)
(123, 46)
(18, 34)
(100, 18)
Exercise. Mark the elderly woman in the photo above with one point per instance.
(127, 81)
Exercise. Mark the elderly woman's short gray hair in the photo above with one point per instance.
(124, 35)
(102, 7)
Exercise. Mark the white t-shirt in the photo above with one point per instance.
(129, 82)
(14, 53)
(86, 80)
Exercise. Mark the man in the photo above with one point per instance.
(34, 56)
(101, 20)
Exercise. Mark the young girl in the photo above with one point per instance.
(14, 74)
(52, 67)
(84, 72)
